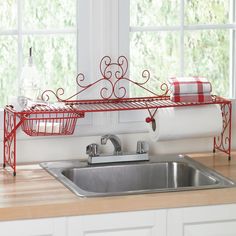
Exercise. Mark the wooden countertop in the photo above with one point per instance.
(34, 193)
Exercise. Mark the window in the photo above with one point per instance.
(183, 37)
(50, 28)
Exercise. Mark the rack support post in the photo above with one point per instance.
(9, 141)
(223, 141)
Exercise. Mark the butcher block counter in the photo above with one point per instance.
(34, 193)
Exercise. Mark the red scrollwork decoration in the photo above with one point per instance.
(113, 73)
(223, 141)
(9, 143)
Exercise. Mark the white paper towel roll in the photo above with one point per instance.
(186, 122)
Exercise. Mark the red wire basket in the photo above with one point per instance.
(41, 124)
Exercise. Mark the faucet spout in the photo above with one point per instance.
(115, 141)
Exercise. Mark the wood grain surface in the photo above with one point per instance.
(34, 193)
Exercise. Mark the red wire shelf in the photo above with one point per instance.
(79, 107)
(50, 120)
(135, 104)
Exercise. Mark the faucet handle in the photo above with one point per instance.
(142, 147)
(92, 150)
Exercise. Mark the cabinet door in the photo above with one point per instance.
(38, 227)
(146, 223)
(207, 221)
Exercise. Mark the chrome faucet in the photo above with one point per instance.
(92, 150)
(115, 141)
(96, 157)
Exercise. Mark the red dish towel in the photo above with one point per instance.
(201, 97)
(189, 85)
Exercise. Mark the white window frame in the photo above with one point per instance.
(125, 29)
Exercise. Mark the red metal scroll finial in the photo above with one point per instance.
(149, 119)
(112, 76)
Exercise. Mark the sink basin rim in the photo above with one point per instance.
(222, 182)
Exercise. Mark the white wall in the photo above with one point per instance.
(73, 148)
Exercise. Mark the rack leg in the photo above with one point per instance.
(230, 129)
(13, 160)
(214, 145)
(223, 141)
(9, 142)
(4, 139)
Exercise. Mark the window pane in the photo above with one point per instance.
(156, 52)
(207, 54)
(7, 14)
(8, 68)
(206, 12)
(42, 14)
(55, 59)
(154, 12)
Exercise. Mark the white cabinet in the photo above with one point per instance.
(218, 220)
(39, 227)
(142, 223)
(206, 221)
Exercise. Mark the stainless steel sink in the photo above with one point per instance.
(161, 174)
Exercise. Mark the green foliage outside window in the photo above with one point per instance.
(206, 12)
(156, 51)
(154, 12)
(47, 14)
(8, 68)
(8, 10)
(55, 58)
(206, 52)
(54, 55)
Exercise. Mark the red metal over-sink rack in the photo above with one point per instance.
(53, 119)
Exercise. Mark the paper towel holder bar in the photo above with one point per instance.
(115, 99)
(154, 125)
